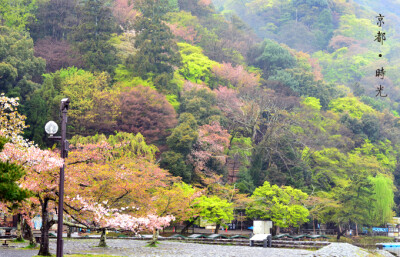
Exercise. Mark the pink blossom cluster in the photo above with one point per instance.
(113, 218)
(213, 137)
(212, 141)
(189, 34)
(188, 86)
(237, 76)
(228, 101)
(33, 157)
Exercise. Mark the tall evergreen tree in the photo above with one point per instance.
(157, 53)
(91, 37)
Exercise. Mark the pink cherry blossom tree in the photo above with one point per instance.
(210, 145)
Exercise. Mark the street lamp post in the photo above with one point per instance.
(51, 129)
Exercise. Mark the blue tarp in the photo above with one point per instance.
(374, 229)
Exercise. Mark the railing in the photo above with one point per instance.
(318, 231)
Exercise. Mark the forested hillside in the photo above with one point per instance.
(266, 94)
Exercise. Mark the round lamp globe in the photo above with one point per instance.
(51, 128)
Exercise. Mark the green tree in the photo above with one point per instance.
(157, 53)
(196, 66)
(17, 14)
(356, 199)
(184, 135)
(352, 105)
(270, 57)
(18, 65)
(215, 210)
(54, 18)
(175, 163)
(93, 33)
(381, 210)
(201, 103)
(93, 107)
(283, 205)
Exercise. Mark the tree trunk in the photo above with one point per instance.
(313, 225)
(217, 228)
(153, 242)
(103, 238)
(340, 233)
(31, 239)
(356, 230)
(278, 230)
(69, 232)
(188, 225)
(44, 242)
(19, 228)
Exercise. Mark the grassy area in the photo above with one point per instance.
(31, 247)
(18, 241)
(92, 255)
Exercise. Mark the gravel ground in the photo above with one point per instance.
(346, 250)
(167, 248)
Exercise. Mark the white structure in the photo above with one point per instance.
(262, 232)
(262, 227)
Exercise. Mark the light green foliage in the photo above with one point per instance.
(357, 28)
(345, 67)
(182, 18)
(240, 150)
(215, 210)
(351, 105)
(282, 205)
(381, 210)
(122, 143)
(84, 96)
(196, 66)
(354, 199)
(312, 102)
(173, 100)
(123, 44)
(125, 78)
(383, 152)
(17, 14)
(331, 168)
(86, 101)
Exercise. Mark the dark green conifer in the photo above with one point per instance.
(96, 25)
(9, 175)
(157, 53)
